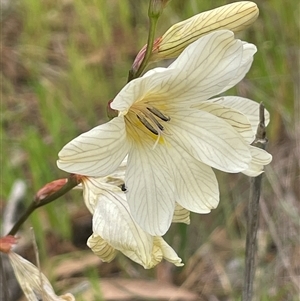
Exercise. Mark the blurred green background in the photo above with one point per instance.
(62, 61)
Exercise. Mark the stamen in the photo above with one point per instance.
(147, 124)
(158, 113)
(155, 121)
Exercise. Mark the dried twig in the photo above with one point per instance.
(253, 214)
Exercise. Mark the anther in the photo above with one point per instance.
(158, 113)
(147, 124)
(155, 121)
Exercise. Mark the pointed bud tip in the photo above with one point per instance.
(7, 242)
(156, 7)
(50, 188)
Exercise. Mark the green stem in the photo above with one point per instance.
(253, 214)
(151, 34)
(71, 183)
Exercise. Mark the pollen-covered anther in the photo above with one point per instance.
(149, 119)
(147, 124)
(158, 113)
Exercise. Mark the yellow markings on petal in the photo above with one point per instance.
(101, 248)
(236, 17)
(260, 158)
(146, 124)
(168, 253)
(181, 215)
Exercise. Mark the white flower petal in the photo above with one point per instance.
(234, 16)
(209, 139)
(232, 116)
(154, 82)
(205, 68)
(101, 248)
(246, 106)
(118, 175)
(34, 284)
(260, 158)
(196, 184)
(168, 253)
(181, 215)
(93, 187)
(150, 188)
(156, 257)
(202, 70)
(248, 51)
(97, 152)
(112, 221)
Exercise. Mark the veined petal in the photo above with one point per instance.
(196, 184)
(97, 152)
(181, 215)
(93, 188)
(168, 253)
(156, 257)
(209, 139)
(234, 16)
(246, 106)
(248, 51)
(260, 158)
(235, 118)
(118, 175)
(150, 187)
(34, 284)
(154, 82)
(202, 70)
(205, 68)
(113, 222)
(101, 248)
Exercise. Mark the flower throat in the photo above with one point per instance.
(150, 118)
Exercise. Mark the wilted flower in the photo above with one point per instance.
(235, 16)
(174, 133)
(115, 230)
(33, 282)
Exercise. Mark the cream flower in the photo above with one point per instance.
(235, 16)
(115, 230)
(173, 133)
(34, 284)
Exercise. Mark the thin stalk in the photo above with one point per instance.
(70, 184)
(253, 214)
(151, 34)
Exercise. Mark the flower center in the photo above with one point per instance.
(150, 118)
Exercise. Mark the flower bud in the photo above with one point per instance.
(7, 242)
(49, 189)
(156, 7)
(235, 17)
(111, 113)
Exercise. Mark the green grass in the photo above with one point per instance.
(67, 59)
